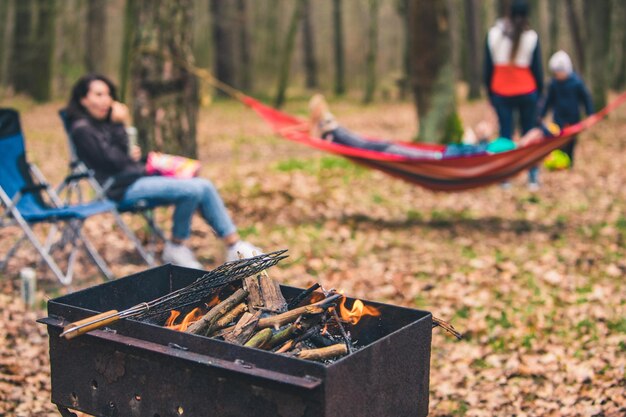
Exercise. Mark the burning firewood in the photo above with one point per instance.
(203, 326)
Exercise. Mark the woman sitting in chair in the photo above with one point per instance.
(97, 129)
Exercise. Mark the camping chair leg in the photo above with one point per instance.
(149, 216)
(95, 256)
(43, 252)
(11, 252)
(147, 257)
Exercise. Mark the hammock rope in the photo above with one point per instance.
(448, 174)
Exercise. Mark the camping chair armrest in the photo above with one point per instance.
(78, 176)
(34, 188)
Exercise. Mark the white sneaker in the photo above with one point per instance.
(247, 250)
(533, 187)
(180, 255)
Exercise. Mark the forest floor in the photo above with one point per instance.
(535, 282)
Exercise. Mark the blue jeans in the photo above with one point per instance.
(526, 106)
(345, 137)
(188, 195)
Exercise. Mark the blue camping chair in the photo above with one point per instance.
(22, 201)
(145, 208)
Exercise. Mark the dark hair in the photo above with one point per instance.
(75, 110)
(519, 20)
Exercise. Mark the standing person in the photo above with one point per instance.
(513, 73)
(98, 132)
(566, 93)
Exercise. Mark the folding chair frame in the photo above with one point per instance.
(70, 184)
(78, 170)
(71, 233)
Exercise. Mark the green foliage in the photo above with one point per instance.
(453, 131)
(618, 326)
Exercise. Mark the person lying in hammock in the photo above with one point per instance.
(323, 125)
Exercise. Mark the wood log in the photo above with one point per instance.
(244, 328)
(231, 316)
(260, 339)
(282, 336)
(203, 325)
(291, 315)
(290, 344)
(265, 294)
(321, 354)
(295, 301)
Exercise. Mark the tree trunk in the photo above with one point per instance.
(130, 17)
(287, 53)
(598, 14)
(338, 48)
(33, 47)
(433, 76)
(402, 7)
(7, 20)
(502, 8)
(96, 53)
(245, 55)
(474, 47)
(272, 31)
(165, 105)
(372, 53)
(308, 38)
(554, 16)
(224, 41)
(574, 26)
(456, 21)
(618, 81)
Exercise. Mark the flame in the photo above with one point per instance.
(213, 301)
(191, 317)
(317, 296)
(173, 316)
(358, 310)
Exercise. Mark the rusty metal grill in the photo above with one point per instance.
(136, 368)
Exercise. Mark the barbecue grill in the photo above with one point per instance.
(138, 368)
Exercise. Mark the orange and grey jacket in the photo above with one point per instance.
(512, 77)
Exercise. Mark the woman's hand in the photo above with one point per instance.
(120, 113)
(135, 153)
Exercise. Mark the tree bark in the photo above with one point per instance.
(96, 51)
(598, 17)
(554, 16)
(130, 17)
(287, 53)
(433, 76)
(165, 105)
(224, 41)
(338, 48)
(402, 7)
(574, 27)
(33, 47)
(618, 81)
(372, 53)
(245, 54)
(474, 47)
(308, 40)
(7, 19)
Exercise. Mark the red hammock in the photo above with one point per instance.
(449, 174)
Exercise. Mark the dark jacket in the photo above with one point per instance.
(103, 147)
(564, 98)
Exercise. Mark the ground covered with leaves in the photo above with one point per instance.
(534, 281)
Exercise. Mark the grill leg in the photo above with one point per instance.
(65, 412)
